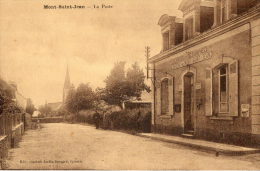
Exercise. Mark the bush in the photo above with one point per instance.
(135, 119)
(138, 120)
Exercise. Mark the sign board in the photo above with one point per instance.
(191, 58)
(198, 86)
(245, 108)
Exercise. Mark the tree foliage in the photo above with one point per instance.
(80, 99)
(6, 96)
(30, 107)
(45, 109)
(121, 85)
(135, 81)
(116, 87)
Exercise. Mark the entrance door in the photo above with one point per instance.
(188, 103)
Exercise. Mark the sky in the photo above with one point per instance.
(37, 44)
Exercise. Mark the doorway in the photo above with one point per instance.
(189, 103)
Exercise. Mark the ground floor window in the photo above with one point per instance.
(221, 89)
(165, 96)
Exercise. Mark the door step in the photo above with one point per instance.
(186, 135)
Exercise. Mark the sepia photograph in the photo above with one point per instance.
(129, 85)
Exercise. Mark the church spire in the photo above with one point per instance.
(67, 79)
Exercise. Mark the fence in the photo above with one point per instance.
(9, 121)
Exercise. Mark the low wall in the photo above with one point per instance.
(17, 133)
(8, 141)
(3, 150)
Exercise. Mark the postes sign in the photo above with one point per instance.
(191, 58)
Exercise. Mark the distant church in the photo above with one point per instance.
(67, 86)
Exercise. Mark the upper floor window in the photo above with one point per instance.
(189, 28)
(165, 96)
(223, 10)
(166, 40)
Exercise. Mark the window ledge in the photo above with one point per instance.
(226, 118)
(166, 116)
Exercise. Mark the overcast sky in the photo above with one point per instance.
(36, 44)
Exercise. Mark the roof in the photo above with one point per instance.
(185, 4)
(165, 19)
(55, 106)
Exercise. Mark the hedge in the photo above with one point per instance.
(136, 119)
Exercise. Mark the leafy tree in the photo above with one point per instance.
(116, 87)
(71, 105)
(85, 97)
(6, 96)
(30, 107)
(135, 81)
(45, 109)
(80, 99)
(121, 86)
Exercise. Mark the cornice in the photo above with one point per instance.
(208, 35)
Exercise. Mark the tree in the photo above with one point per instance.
(30, 107)
(85, 97)
(71, 105)
(45, 109)
(135, 81)
(6, 96)
(80, 99)
(121, 86)
(116, 88)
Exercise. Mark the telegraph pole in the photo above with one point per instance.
(147, 55)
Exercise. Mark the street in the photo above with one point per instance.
(75, 146)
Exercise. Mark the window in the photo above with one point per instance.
(165, 96)
(188, 28)
(223, 11)
(206, 18)
(223, 89)
(166, 41)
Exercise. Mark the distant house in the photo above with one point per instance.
(54, 107)
(144, 102)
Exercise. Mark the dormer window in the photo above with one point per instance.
(166, 40)
(189, 28)
(172, 31)
(223, 11)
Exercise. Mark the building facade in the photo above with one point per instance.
(206, 79)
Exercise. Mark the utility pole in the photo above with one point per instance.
(147, 55)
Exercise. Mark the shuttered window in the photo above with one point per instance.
(165, 96)
(221, 90)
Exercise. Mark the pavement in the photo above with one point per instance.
(74, 146)
(219, 148)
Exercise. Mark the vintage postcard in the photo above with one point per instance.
(130, 84)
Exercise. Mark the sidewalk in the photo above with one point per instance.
(219, 148)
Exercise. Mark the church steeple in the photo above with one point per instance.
(67, 79)
(67, 85)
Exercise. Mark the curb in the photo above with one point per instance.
(216, 150)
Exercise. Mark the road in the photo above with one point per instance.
(74, 146)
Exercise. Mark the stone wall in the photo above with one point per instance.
(255, 36)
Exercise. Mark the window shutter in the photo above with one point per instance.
(158, 101)
(233, 88)
(208, 93)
